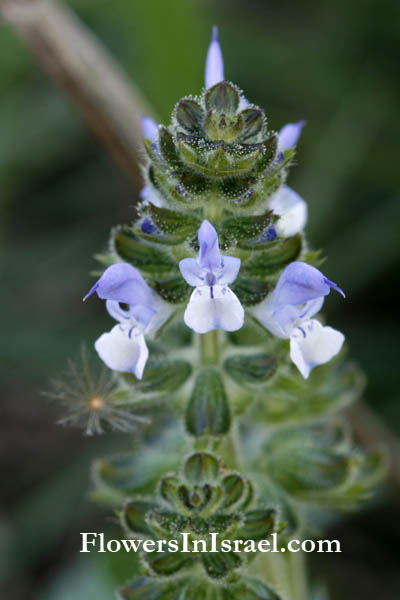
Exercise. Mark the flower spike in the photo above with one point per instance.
(214, 72)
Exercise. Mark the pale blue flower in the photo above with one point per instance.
(287, 311)
(124, 347)
(214, 72)
(212, 305)
(150, 196)
(149, 128)
(289, 134)
(291, 210)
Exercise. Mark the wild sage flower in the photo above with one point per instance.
(124, 347)
(291, 210)
(149, 128)
(287, 311)
(212, 305)
(289, 134)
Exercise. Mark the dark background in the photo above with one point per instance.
(334, 64)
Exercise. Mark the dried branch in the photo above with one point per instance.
(74, 58)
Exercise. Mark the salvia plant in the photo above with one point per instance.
(214, 293)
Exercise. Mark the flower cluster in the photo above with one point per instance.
(286, 311)
(215, 294)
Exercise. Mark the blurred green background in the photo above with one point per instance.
(334, 64)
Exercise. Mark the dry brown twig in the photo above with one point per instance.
(72, 56)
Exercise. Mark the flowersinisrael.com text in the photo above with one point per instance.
(96, 542)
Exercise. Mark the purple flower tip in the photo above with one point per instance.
(214, 72)
(148, 226)
(149, 128)
(289, 135)
(334, 287)
(91, 291)
(270, 234)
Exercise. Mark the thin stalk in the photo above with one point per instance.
(209, 348)
(298, 572)
(286, 573)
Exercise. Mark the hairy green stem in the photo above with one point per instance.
(286, 573)
(209, 348)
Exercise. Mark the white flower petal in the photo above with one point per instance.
(150, 196)
(279, 322)
(291, 209)
(289, 134)
(230, 270)
(214, 307)
(123, 349)
(164, 311)
(191, 271)
(311, 344)
(149, 128)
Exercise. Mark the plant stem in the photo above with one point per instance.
(286, 573)
(209, 348)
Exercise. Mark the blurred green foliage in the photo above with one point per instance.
(334, 64)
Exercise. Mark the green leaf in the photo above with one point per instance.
(167, 563)
(169, 488)
(174, 223)
(223, 97)
(278, 256)
(162, 376)
(292, 399)
(269, 147)
(143, 256)
(258, 524)
(309, 462)
(138, 471)
(249, 589)
(219, 564)
(134, 516)
(208, 409)
(147, 588)
(253, 122)
(234, 488)
(194, 183)
(369, 470)
(241, 228)
(163, 523)
(190, 115)
(202, 590)
(250, 291)
(201, 467)
(251, 334)
(237, 189)
(251, 369)
(168, 149)
(174, 290)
